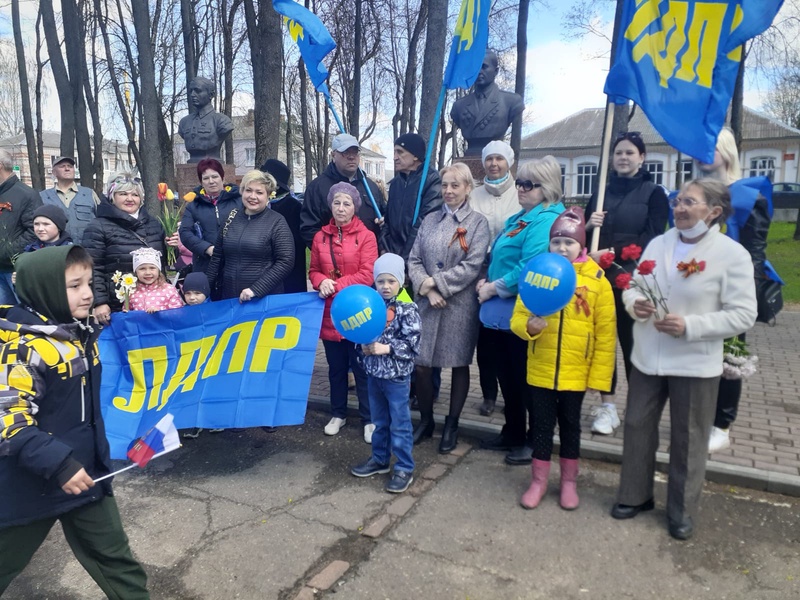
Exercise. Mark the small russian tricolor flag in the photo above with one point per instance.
(159, 440)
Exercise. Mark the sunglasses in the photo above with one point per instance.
(630, 135)
(124, 179)
(527, 185)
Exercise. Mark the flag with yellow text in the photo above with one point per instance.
(216, 365)
(678, 60)
(469, 44)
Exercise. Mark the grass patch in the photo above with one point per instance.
(784, 254)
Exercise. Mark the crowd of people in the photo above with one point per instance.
(446, 259)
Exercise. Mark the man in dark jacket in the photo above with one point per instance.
(399, 229)
(17, 203)
(343, 167)
(52, 437)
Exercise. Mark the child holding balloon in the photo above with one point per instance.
(568, 352)
(389, 362)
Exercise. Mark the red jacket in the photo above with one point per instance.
(356, 251)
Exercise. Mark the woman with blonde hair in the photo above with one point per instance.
(444, 265)
(254, 250)
(523, 236)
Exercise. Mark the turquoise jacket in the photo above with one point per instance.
(511, 253)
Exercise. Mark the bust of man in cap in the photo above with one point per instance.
(486, 112)
(203, 130)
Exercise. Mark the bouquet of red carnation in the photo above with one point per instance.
(624, 281)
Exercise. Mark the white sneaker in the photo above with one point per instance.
(606, 419)
(334, 425)
(368, 429)
(719, 440)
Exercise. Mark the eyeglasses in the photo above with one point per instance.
(687, 202)
(527, 185)
(630, 135)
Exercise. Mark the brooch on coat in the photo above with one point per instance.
(691, 267)
(581, 302)
(461, 236)
(5, 206)
(520, 226)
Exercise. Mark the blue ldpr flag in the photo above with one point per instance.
(312, 38)
(678, 60)
(469, 44)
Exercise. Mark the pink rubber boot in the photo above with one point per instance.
(569, 483)
(540, 470)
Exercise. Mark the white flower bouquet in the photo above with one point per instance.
(737, 362)
(124, 285)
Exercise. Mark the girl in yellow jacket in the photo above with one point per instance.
(568, 352)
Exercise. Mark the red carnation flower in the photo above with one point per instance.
(623, 281)
(631, 252)
(646, 267)
(606, 260)
(701, 266)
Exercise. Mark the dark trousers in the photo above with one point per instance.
(730, 392)
(625, 337)
(512, 372)
(692, 402)
(549, 406)
(487, 362)
(95, 534)
(341, 357)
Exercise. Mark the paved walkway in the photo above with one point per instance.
(765, 448)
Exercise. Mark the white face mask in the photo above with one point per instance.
(695, 230)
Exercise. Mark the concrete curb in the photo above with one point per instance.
(723, 473)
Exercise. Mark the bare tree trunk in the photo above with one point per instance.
(188, 26)
(519, 84)
(737, 102)
(433, 65)
(76, 61)
(264, 34)
(355, 109)
(94, 111)
(407, 119)
(307, 149)
(36, 177)
(59, 69)
(38, 93)
(151, 149)
(228, 17)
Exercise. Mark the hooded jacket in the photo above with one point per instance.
(577, 349)
(356, 251)
(50, 420)
(202, 221)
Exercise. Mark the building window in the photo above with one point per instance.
(656, 170)
(685, 172)
(368, 168)
(563, 179)
(105, 164)
(250, 155)
(587, 179)
(762, 166)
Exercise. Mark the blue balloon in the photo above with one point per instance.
(547, 284)
(359, 314)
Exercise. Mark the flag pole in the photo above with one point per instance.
(363, 175)
(133, 465)
(603, 174)
(429, 151)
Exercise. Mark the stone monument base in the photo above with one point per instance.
(187, 180)
(475, 165)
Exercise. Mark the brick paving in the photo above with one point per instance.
(765, 436)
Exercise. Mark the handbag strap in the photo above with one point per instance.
(336, 273)
(231, 216)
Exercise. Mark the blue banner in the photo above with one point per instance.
(220, 364)
(678, 60)
(469, 44)
(312, 38)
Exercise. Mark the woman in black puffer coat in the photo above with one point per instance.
(122, 225)
(254, 251)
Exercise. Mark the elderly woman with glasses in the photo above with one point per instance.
(121, 226)
(677, 350)
(524, 235)
(635, 211)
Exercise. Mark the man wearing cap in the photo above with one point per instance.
(288, 205)
(343, 167)
(400, 230)
(17, 204)
(78, 203)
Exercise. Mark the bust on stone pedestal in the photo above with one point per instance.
(486, 113)
(203, 130)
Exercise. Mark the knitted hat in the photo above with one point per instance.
(345, 188)
(391, 264)
(501, 148)
(146, 256)
(55, 213)
(279, 171)
(412, 142)
(197, 282)
(570, 224)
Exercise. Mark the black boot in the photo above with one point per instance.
(449, 435)
(425, 427)
(487, 408)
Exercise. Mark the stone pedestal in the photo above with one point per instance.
(186, 176)
(475, 165)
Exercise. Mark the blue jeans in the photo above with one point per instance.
(7, 294)
(341, 358)
(388, 401)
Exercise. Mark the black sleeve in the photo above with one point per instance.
(213, 270)
(753, 235)
(657, 215)
(283, 253)
(194, 243)
(94, 240)
(312, 214)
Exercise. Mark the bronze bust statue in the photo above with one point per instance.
(486, 113)
(203, 130)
